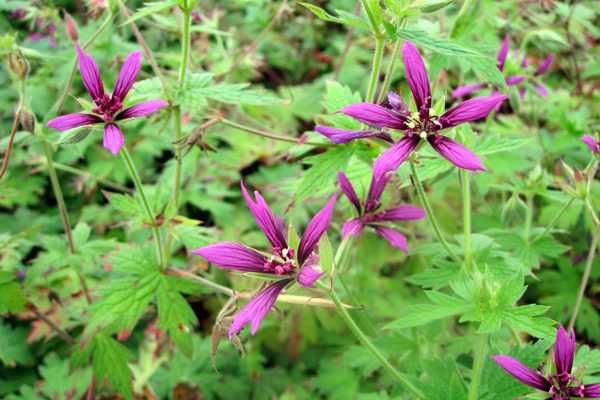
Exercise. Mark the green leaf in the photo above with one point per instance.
(125, 204)
(13, 346)
(74, 135)
(323, 172)
(345, 18)
(12, 298)
(110, 362)
(326, 254)
(149, 9)
(436, 44)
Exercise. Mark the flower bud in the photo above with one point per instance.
(27, 120)
(71, 28)
(18, 65)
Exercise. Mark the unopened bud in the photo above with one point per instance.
(27, 120)
(71, 27)
(18, 65)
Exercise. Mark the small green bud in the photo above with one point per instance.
(27, 120)
(18, 65)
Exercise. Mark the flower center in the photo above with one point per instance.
(107, 107)
(423, 124)
(282, 261)
(564, 386)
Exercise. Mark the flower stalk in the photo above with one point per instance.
(585, 278)
(478, 361)
(466, 194)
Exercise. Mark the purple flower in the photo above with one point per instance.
(109, 108)
(370, 215)
(420, 125)
(562, 384)
(591, 143)
(289, 264)
(512, 80)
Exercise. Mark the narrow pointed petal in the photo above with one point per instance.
(393, 237)
(272, 227)
(257, 309)
(309, 274)
(528, 376)
(406, 212)
(542, 90)
(591, 143)
(230, 255)
(375, 115)
(142, 109)
(127, 76)
(113, 138)
(348, 190)
(416, 75)
(564, 350)
(90, 74)
(70, 121)
(471, 110)
(514, 80)
(314, 230)
(543, 68)
(591, 391)
(340, 136)
(352, 227)
(456, 153)
(391, 159)
(503, 52)
(466, 90)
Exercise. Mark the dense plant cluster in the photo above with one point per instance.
(345, 200)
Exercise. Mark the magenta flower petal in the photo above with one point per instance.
(503, 52)
(90, 73)
(564, 350)
(543, 68)
(348, 190)
(394, 238)
(270, 225)
(113, 138)
(542, 90)
(528, 376)
(591, 143)
(230, 255)
(142, 109)
(397, 103)
(129, 71)
(514, 80)
(308, 275)
(522, 92)
(375, 115)
(406, 212)
(352, 227)
(591, 391)
(416, 75)
(314, 230)
(471, 110)
(257, 309)
(391, 159)
(456, 153)
(466, 90)
(70, 121)
(340, 136)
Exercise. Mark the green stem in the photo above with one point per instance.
(270, 135)
(385, 86)
(555, 219)
(149, 214)
(585, 278)
(478, 361)
(528, 216)
(466, 193)
(371, 18)
(430, 215)
(375, 69)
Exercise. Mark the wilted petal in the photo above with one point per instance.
(406, 212)
(391, 159)
(523, 373)
(514, 80)
(375, 115)
(471, 110)
(394, 238)
(456, 153)
(348, 190)
(396, 102)
(544, 66)
(142, 109)
(416, 75)
(542, 90)
(113, 138)
(129, 71)
(503, 52)
(466, 90)
(270, 225)
(314, 230)
(309, 274)
(257, 309)
(340, 136)
(564, 350)
(90, 74)
(70, 121)
(230, 255)
(352, 227)
(591, 143)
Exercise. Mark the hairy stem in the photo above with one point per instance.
(149, 214)
(585, 278)
(385, 86)
(466, 194)
(375, 69)
(430, 215)
(9, 147)
(270, 135)
(59, 331)
(479, 353)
